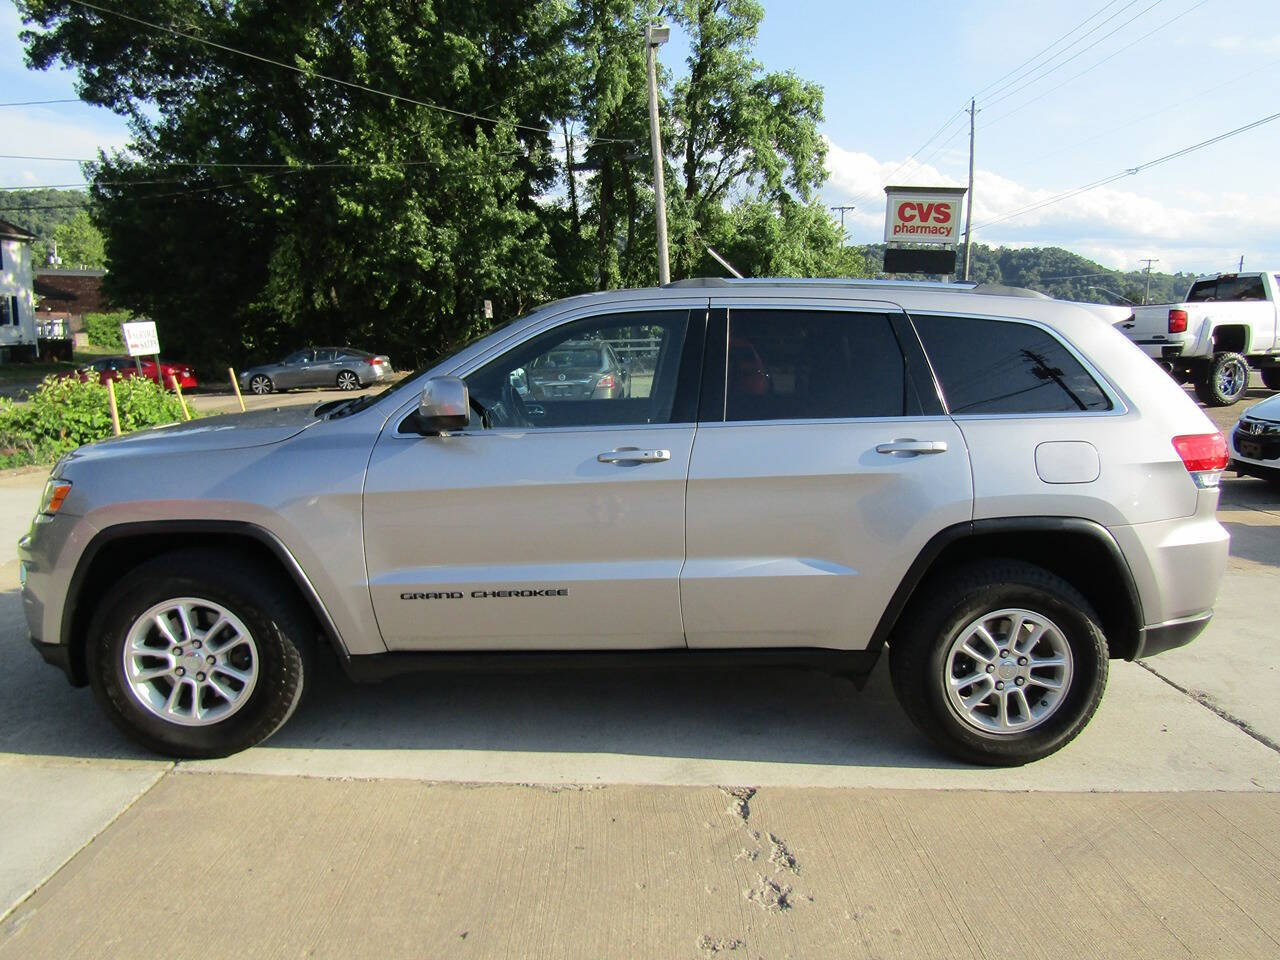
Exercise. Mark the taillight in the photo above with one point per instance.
(606, 382)
(1204, 455)
(1177, 321)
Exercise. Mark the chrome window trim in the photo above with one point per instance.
(1119, 406)
(545, 431)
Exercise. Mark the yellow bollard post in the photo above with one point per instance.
(177, 388)
(235, 385)
(115, 413)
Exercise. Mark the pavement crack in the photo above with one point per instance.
(781, 857)
(1203, 699)
(741, 797)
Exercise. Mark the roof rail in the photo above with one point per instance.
(984, 289)
(729, 282)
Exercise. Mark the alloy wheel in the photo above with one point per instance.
(190, 661)
(1008, 671)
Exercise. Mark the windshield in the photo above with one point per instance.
(361, 403)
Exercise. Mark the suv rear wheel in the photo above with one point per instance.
(199, 656)
(1271, 377)
(1000, 663)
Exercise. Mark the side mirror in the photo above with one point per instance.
(444, 405)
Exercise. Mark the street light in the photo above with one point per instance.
(654, 37)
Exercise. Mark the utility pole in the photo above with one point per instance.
(843, 208)
(1148, 261)
(1241, 270)
(654, 37)
(968, 220)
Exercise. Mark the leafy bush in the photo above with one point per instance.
(64, 414)
(104, 328)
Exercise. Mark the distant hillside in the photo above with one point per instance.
(42, 211)
(1061, 274)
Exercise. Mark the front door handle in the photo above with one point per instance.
(634, 455)
(911, 448)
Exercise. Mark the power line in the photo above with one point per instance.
(1037, 56)
(1128, 125)
(36, 103)
(1132, 171)
(1078, 53)
(864, 197)
(1110, 56)
(326, 165)
(322, 76)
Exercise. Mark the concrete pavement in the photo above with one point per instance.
(242, 866)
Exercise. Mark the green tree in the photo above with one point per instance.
(79, 243)
(384, 222)
(736, 130)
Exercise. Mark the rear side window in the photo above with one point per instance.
(812, 365)
(1227, 288)
(998, 366)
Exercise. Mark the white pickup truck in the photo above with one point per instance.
(1226, 326)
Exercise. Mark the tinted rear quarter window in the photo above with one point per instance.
(812, 365)
(1000, 366)
(1227, 288)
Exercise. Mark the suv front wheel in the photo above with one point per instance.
(200, 655)
(1000, 663)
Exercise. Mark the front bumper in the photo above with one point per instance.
(1255, 454)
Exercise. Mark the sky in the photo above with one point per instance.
(1069, 92)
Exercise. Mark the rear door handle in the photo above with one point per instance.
(911, 448)
(634, 455)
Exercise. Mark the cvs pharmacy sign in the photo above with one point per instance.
(923, 214)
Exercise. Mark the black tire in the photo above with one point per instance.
(1271, 377)
(348, 380)
(943, 607)
(261, 384)
(265, 604)
(1224, 380)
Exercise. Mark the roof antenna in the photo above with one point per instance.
(724, 263)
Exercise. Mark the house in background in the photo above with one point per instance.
(65, 297)
(17, 300)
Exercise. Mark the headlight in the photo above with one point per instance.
(55, 493)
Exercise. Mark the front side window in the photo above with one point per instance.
(813, 365)
(301, 356)
(615, 370)
(1005, 367)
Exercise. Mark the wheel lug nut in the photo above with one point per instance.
(1022, 661)
(195, 644)
(177, 651)
(200, 677)
(990, 668)
(1004, 653)
(1019, 681)
(180, 672)
(211, 660)
(999, 684)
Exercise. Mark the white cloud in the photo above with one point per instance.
(1114, 225)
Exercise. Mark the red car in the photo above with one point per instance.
(119, 368)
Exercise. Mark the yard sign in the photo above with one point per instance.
(141, 338)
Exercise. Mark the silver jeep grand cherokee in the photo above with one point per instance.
(998, 486)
